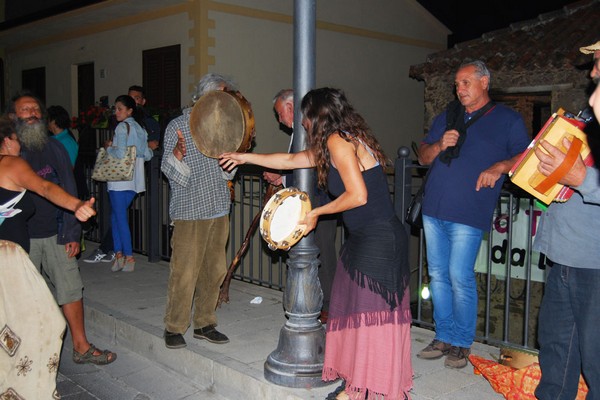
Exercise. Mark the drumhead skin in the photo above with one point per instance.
(222, 121)
(279, 222)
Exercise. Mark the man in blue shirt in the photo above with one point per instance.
(468, 163)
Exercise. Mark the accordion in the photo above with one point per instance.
(524, 172)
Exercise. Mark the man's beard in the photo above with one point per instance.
(33, 136)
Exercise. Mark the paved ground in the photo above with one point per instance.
(124, 312)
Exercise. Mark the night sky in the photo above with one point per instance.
(469, 19)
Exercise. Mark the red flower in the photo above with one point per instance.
(92, 117)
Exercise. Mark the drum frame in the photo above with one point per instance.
(268, 214)
(245, 114)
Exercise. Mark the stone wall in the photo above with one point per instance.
(566, 88)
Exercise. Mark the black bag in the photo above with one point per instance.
(414, 214)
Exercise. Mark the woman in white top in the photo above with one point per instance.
(128, 132)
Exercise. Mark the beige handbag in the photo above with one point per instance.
(109, 169)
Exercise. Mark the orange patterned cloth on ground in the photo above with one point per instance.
(515, 384)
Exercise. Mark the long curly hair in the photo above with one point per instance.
(330, 113)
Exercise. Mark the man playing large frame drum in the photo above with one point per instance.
(199, 211)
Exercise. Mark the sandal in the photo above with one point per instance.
(105, 356)
(128, 264)
(118, 263)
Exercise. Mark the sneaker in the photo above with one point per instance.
(436, 349)
(211, 334)
(457, 357)
(174, 340)
(95, 257)
(110, 257)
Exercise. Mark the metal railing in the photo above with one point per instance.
(508, 307)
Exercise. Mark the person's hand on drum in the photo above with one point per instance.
(228, 161)
(179, 150)
(310, 221)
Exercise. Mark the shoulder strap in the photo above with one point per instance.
(455, 120)
(480, 113)
(126, 124)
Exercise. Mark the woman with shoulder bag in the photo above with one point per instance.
(128, 132)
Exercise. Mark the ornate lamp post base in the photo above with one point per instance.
(297, 361)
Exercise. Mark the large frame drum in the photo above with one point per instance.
(222, 121)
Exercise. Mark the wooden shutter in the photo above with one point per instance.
(162, 77)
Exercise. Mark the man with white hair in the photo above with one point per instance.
(570, 310)
(199, 210)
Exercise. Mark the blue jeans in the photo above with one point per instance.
(568, 329)
(451, 252)
(120, 200)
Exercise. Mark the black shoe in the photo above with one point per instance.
(174, 340)
(333, 395)
(211, 334)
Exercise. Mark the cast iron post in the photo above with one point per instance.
(298, 360)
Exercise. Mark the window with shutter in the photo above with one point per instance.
(162, 77)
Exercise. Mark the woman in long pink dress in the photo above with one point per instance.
(368, 330)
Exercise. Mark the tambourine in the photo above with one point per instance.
(222, 121)
(280, 219)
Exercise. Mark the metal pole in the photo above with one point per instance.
(298, 360)
(153, 207)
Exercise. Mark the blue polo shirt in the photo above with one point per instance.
(450, 193)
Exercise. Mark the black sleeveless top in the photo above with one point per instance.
(375, 253)
(379, 206)
(15, 228)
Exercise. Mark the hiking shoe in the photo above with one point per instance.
(95, 257)
(457, 357)
(211, 334)
(174, 340)
(109, 257)
(436, 349)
